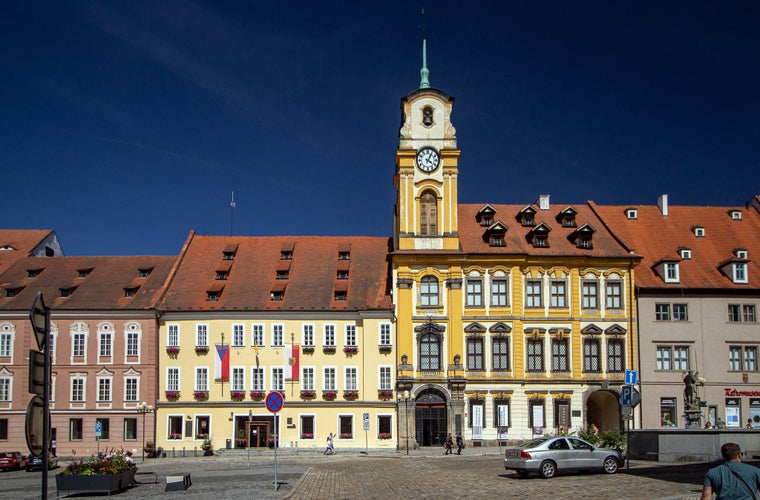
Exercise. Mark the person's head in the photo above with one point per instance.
(730, 451)
(129, 453)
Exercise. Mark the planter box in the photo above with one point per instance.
(99, 483)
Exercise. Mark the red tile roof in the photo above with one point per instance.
(102, 289)
(16, 244)
(472, 240)
(657, 237)
(311, 276)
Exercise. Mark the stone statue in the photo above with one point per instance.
(690, 390)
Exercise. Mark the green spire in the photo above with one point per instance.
(424, 83)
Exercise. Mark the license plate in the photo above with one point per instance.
(513, 453)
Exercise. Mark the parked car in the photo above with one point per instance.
(12, 460)
(550, 455)
(35, 463)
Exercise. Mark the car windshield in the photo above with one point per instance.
(534, 443)
(6, 455)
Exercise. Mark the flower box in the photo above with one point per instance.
(240, 443)
(385, 349)
(95, 483)
(308, 394)
(237, 395)
(346, 435)
(175, 435)
(201, 395)
(172, 349)
(257, 395)
(385, 394)
(350, 349)
(329, 395)
(172, 395)
(307, 435)
(201, 435)
(350, 395)
(384, 435)
(201, 349)
(328, 349)
(307, 349)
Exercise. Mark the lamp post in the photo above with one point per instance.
(144, 408)
(407, 397)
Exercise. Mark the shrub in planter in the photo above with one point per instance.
(172, 395)
(384, 435)
(257, 395)
(350, 395)
(201, 395)
(350, 349)
(307, 394)
(201, 349)
(385, 349)
(328, 349)
(385, 394)
(172, 349)
(174, 435)
(237, 395)
(329, 395)
(97, 474)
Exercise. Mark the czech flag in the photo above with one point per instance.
(222, 362)
(292, 360)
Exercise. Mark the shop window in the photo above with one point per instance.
(384, 426)
(75, 429)
(307, 426)
(130, 429)
(668, 413)
(346, 427)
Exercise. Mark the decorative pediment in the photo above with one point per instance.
(567, 217)
(500, 328)
(485, 215)
(474, 329)
(559, 333)
(429, 327)
(5, 372)
(527, 216)
(104, 372)
(615, 330)
(591, 330)
(131, 372)
(535, 332)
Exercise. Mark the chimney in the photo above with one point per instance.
(662, 202)
(543, 201)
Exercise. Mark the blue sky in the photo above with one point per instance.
(128, 124)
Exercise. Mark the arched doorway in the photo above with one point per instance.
(431, 418)
(603, 410)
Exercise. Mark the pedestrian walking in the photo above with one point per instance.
(460, 444)
(330, 449)
(448, 445)
(732, 479)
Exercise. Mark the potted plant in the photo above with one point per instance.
(384, 435)
(200, 395)
(257, 395)
(307, 435)
(385, 349)
(237, 395)
(201, 349)
(97, 474)
(172, 349)
(308, 394)
(174, 435)
(328, 349)
(202, 435)
(346, 435)
(172, 395)
(385, 394)
(240, 443)
(350, 395)
(350, 349)
(329, 395)
(307, 349)
(206, 447)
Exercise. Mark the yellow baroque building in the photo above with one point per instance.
(513, 320)
(307, 317)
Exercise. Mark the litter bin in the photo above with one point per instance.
(229, 444)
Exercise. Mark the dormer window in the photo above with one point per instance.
(583, 236)
(344, 255)
(342, 275)
(83, 273)
(494, 235)
(66, 292)
(341, 296)
(485, 215)
(496, 240)
(130, 292)
(539, 236)
(212, 296)
(286, 255)
(584, 241)
(540, 240)
(229, 251)
(735, 214)
(740, 272)
(222, 275)
(631, 213)
(12, 292)
(33, 273)
(527, 216)
(486, 220)
(740, 253)
(698, 231)
(282, 275)
(276, 296)
(145, 272)
(685, 253)
(671, 272)
(567, 217)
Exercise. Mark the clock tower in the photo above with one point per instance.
(427, 162)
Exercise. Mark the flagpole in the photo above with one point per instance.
(222, 374)
(292, 376)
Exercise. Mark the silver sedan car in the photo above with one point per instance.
(550, 455)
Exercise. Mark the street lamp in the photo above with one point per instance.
(407, 397)
(144, 408)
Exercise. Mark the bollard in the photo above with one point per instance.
(183, 452)
(174, 452)
(195, 451)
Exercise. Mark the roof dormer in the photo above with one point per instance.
(582, 237)
(527, 216)
(735, 214)
(735, 268)
(685, 253)
(631, 213)
(668, 269)
(494, 235)
(740, 253)
(699, 231)
(539, 236)
(485, 216)
(229, 251)
(567, 217)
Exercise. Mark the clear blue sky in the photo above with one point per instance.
(127, 124)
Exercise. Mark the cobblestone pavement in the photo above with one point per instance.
(348, 475)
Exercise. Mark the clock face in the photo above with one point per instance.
(428, 159)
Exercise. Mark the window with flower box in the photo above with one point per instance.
(201, 378)
(257, 379)
(308, 335)
(172, 379)
(307, 426)
(385, 375)
(351, 335)
(238, 379)
(346, 424)
(238, 335)
(201, 335)
(329, 376)
(175, 427)
(173, 336)
(385, 334)
(384, 426)
(307, 378)
(278, 379)
(351, 382)
(329, 335)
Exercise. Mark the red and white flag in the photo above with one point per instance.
(292, 361)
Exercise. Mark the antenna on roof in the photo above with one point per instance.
(424, 82)
(232, 211)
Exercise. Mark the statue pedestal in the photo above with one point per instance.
(693, 418)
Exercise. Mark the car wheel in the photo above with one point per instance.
(548, 469)
(610, 465)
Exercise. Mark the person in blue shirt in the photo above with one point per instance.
(732, 480)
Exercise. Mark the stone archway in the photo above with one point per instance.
(603, 410)
(430, 417)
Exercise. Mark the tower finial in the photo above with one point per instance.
(424, 82)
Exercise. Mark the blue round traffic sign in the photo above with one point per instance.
(274, 402)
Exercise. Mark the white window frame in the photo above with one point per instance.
(278, 335)
(107, 384)
(83, 389)
(237, 378)
(350, 335)
(201, 334)
(173, 385)
(386, 337)
(238, 335)
(130, 338)
(328, 335)
(127, 382)
(671, 272)
(308, 378)
(6, 389)
(200, 381)
(257, 334)
(385, 377)
(258, 379)
(6, 344)
(307, 334)
(351, 378)
(739, 272)
(172, 335)
(278, 378)
(329, 378)
(105, 344)
(79, 345)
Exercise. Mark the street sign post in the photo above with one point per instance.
(365, 425)
(40, 318)
(35, 425)
(274, 404)
(626, 395)
(38, 411)
(36, 373)
(631, 377)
